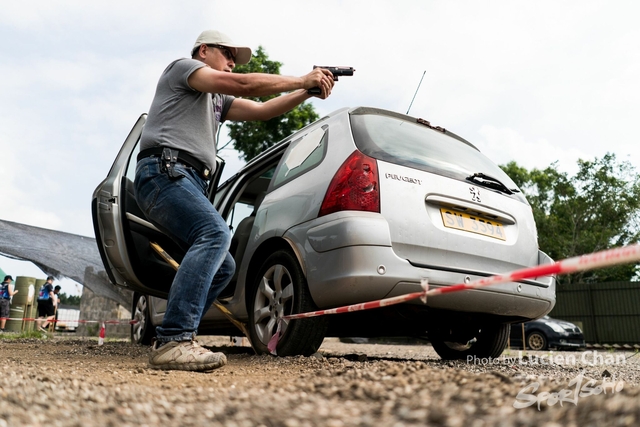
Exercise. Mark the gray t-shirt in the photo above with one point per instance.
(183, 118)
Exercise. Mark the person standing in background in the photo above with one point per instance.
(6, 292)
(56, 300)
(46, 308)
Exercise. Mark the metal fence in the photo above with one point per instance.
(608, 313)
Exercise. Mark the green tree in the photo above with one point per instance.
(597, 209)
(252, 138)
(69, 299)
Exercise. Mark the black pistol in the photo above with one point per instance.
(336, 71)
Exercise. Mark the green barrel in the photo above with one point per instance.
(26, 287)
(33, 314)
(15, 312)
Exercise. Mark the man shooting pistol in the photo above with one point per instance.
(336, 71)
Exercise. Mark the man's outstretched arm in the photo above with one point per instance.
(206, 79)
(247, 110)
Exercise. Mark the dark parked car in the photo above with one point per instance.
(361, 205)
(545, 333)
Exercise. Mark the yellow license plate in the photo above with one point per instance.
(473, 224)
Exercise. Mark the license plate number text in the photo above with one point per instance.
(473, 224)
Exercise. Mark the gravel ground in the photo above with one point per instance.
(75, 382)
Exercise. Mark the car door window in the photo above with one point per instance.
(240, 211)
(251, 192)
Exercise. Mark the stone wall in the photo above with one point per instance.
(94, 307)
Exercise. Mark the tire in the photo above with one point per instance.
(537, 341)
(489, 342)
(281, 289)
(143, 331)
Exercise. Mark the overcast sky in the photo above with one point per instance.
(533, 82)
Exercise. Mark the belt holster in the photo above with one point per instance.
(168, 163)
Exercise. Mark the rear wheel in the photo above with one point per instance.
(488, 341)
(281, 289)
(142, 331)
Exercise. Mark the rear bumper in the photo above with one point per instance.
(358, 274)
(348, 259)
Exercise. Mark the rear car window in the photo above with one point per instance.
(402, 140)
(303, 154)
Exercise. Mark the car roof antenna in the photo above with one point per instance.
(414, 95)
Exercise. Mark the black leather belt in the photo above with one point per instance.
(184, 158)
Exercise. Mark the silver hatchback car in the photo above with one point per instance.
(362, 204)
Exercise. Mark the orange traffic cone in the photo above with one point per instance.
(101, 335)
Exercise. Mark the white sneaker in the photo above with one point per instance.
(184, 356)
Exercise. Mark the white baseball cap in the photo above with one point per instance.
(216, 37)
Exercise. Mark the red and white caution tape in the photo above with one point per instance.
(103, 323)
(607, 258)
(106, 322)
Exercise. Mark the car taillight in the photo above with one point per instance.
(354, 187)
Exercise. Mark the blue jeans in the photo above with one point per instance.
(181, 209)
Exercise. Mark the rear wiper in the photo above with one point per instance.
(490, 182)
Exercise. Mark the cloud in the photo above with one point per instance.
(530, 82)
(505, 145)
(17, 204)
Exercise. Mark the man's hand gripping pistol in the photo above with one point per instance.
(336, 71)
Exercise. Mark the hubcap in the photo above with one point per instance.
(139, 315)
(273, 300)
(536, 342)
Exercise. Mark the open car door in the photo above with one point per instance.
(124, 234)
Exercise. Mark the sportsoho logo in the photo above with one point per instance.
(578, 387)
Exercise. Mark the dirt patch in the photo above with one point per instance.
(69, 382)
